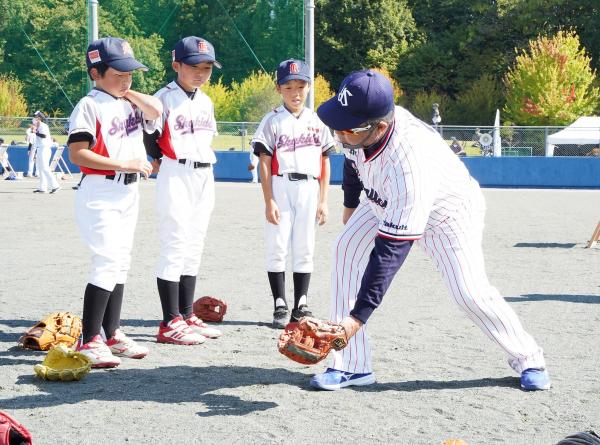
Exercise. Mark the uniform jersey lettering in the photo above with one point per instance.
(127, 126)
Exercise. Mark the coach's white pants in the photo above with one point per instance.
(297, 202)
(31, 164)
(106, 212)
(47, 179)
(455, 249)
(185, 198)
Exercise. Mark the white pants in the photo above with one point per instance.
(47, 179)
(106, 212)
(455, 248)
(31, 164)
(297, 202)
(185, 198)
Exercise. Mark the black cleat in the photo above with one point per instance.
(280, 317)
(302, 311)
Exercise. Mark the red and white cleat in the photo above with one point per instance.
(202, 328)
(123, 346)
(100, 354)
(178, 332)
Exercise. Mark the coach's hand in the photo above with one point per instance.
(272, 212)
(137, 166)
(322, 213)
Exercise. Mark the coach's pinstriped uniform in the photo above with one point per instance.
(417, 189)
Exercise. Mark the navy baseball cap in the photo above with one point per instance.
(292, 70)
(194, 50)
(115, 52)
(363, 95)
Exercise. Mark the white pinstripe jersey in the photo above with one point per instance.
(295, 143)
(187, 125)
(413, 181)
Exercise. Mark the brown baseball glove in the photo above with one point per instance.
(309, 340)
(58, 328)
(210, 309)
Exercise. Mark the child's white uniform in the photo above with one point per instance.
(185, 190)
(107, 201)
(297, 145)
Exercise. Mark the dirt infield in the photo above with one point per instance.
(438, 376)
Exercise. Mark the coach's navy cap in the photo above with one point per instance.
(363, 95)
(194, 50)
(115, 52)
(292, 70)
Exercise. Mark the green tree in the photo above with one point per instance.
(256, 95)
(12, 101)
(356, 34)
(223, 101)
(551, 83)
(477, 105)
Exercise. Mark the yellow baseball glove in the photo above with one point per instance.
(63, 364)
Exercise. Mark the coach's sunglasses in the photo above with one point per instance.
(355, 130)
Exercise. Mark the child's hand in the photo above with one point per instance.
(272, 212)
(322, 213)
(137, 166)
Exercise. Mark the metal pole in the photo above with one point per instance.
(309, 47)
(92, 10)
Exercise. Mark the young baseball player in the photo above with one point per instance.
(106, 141)
(31, 149)
(416, 191)
(44, 153)
(293, 147)
(185, 189)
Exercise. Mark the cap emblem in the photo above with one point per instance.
(126, 48)
(294, 68)
(94, 56)
(202, 47)
(343, 96)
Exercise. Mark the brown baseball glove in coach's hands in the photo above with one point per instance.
(309, 340)
(58, 328)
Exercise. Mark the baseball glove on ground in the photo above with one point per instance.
(63, 364)
(309, 340)
(210, 309)
(12, 431)
(58, 328)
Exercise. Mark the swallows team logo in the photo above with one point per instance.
(343, 96)
(294, 68)
(202, 47)
(126, 48)
(94, 56)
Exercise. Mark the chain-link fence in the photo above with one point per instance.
(464, 140)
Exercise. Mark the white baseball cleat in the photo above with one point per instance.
(123, 346)
(100, 354)
(202, 328)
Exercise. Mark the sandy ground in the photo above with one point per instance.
(438, 376)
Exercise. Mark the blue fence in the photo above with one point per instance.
(522, 171)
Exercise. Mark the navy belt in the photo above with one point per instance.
(296, 176)
(128, 178)
(195, 164)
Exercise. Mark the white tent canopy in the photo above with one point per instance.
(585, 130)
